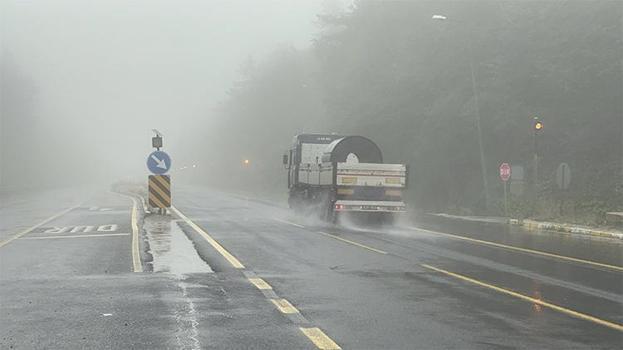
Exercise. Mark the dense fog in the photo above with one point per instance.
(83, 84)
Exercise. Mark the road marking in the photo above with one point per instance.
(321, 340)
(136, 254)
(78, 236)
(260, 283)
(144, 204)
(82, 228)
(30, 229)
(289, 223)
(353, 243)
(284, 306)
(561, 309)
(229, 257)
(524, 250)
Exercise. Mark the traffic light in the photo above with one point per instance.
(156, 142)
(537, 125)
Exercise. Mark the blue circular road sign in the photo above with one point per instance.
(159, 162)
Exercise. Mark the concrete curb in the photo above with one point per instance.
(532, 225)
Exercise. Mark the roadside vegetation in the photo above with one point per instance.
(388, 71)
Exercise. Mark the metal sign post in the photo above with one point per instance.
(537, 128)
(159, 184)
(505, 174)
(563, 179)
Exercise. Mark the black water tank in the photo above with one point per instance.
(365, 150)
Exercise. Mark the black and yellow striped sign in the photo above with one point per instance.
(159, 191)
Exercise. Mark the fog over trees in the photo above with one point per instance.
(388, 71)
(80, 104)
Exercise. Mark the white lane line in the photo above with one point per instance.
(136, 254)
(30, 229)
(79, 236)
(144, 204)
(289, 223)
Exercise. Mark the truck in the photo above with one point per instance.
(333, 176)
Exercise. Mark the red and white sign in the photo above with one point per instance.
(505, 172)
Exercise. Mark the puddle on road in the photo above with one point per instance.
(174, 253)
(171, 250)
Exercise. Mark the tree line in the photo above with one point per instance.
(389, 71)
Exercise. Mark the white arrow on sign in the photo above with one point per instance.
(159, 163)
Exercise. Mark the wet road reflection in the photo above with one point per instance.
(171, 250)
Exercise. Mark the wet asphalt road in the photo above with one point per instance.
(457, 286)
(70, 284)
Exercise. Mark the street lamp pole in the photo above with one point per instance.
(483, 164)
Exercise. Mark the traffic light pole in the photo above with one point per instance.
(536, 159)
(537, 127)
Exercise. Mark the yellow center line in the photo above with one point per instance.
(284, 306)
(229, 257)
(260, 283)
(524, 250)
(560, 309)
(353, 243)
(32, 228)
(321, 340)
(137, 266)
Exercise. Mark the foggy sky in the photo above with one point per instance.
(106, 72)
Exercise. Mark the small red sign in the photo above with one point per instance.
(505, 171)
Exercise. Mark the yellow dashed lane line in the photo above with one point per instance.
(260, 283)
(523, 250)
(353, 243)
(317, 336)
(219, 248)
(284, 306)
(321, 340)
(560, 309)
